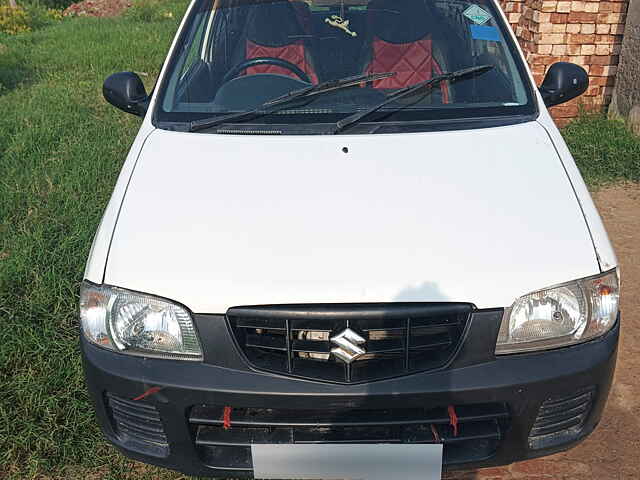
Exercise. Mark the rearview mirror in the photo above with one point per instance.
(125, 91)
(563, 82)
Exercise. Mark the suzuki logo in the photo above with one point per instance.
(348, 349)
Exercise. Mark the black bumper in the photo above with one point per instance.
(520, 383)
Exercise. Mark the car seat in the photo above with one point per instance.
(402, 41)
(274, 29)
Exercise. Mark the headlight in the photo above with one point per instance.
(136, 323)
(563, 315)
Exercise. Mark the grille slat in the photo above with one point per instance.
(390, 345)
(313, 346)
(271, 342)
(432, 341)
(551, 408)
(557, 426)
(399, 338)
(480, 428)
(137, 421)
(547, 420)
(133, 406)
(151, 436)
(141, 415)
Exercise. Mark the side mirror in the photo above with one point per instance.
(125, 91)
(563, 82)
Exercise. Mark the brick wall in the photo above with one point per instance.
(588, 33)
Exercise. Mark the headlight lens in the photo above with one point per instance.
(136, 323)
(559, 316)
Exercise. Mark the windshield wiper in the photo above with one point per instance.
(408, 91)
(277, 103)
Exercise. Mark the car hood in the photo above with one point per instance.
(481, 216)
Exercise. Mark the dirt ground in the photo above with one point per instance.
(612, 452)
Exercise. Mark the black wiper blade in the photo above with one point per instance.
(275, 104)
(408, 91)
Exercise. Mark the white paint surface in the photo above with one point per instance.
(483, 216)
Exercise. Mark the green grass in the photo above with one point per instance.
(61, 148)
(605, 150)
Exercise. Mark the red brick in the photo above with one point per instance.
(617, 29)
(577, 6)
(563, 111)
(514, 17)
(538, 79)
(607, 39)
(552, 38)
(560, 18)
(579, 59)
(581, 39)
(574, 49)
(588, 28)
(606, 7)
(603, 60)
(582, 17)
(592, 91)
(559, 50)
(619, 7)
(545, 60)
(592, 7)
(616, 18)
(599, 81)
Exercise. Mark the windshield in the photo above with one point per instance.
(235, 56)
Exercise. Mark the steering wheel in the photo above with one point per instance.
(265, 61)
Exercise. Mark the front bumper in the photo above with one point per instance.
(521, 383)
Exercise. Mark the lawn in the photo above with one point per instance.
(61, 149)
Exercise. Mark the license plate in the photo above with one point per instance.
(348, 461)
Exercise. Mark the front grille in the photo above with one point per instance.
(480, 428)
(560, 419)
(399, 338)
(137, 426)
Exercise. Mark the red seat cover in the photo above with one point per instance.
(413, 63)
(293, 53)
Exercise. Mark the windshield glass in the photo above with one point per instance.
(233, 56)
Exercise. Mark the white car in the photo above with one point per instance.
(348, 241)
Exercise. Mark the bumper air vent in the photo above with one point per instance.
(138, 426)
(560, 419)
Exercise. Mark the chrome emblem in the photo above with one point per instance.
(348, 349)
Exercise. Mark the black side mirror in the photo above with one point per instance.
(126, 91)
(563, 82)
